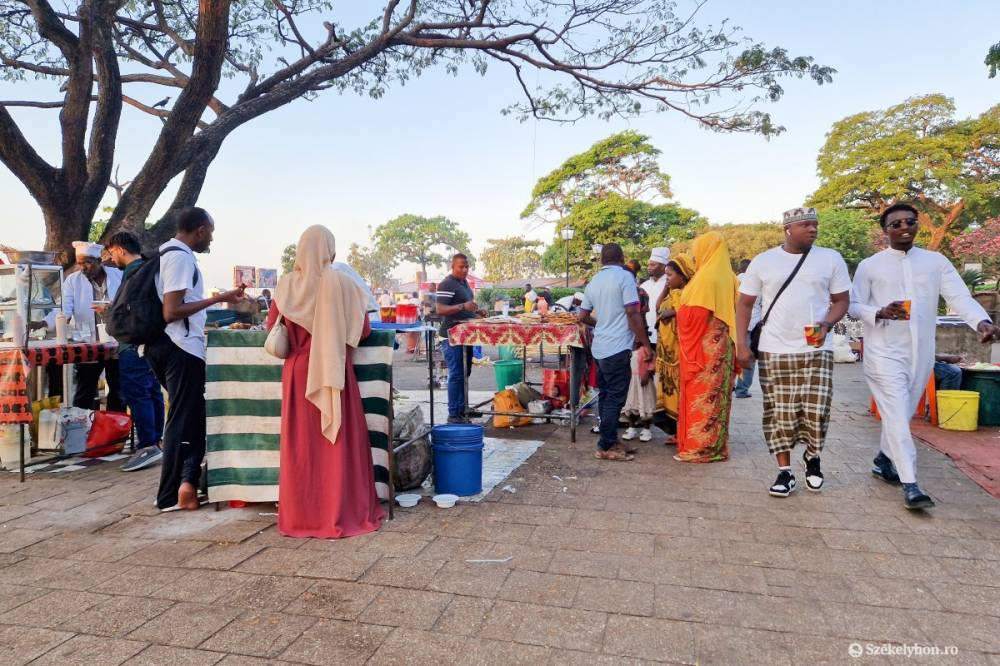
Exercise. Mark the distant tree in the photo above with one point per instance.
(509, 258)
(420, 240)
(993, 59)
(624, 164)
(745, 241)
(636, 225)
(288, 259)
(852, 233)
(371, 265)
(915, 151)
(981, 244)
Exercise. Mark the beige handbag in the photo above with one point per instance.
(276, 343)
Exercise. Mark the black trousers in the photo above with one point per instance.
(87, 376)
(183, 376)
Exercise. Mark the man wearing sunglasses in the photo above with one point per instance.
(895, 294)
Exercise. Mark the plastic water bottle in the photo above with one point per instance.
(61, 329)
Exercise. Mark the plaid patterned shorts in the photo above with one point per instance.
(798, 391)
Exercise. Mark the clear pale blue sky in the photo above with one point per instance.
(440, 146)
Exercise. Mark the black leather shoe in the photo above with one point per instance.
(884, 469)
(915, 498)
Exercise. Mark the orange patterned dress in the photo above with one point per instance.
(706, 373)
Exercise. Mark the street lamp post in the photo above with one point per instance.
(567, 235)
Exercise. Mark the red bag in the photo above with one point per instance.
(555, 386)
(107, 434)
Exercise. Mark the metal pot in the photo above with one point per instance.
(36, 257)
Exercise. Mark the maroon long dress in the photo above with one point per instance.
(324, 490)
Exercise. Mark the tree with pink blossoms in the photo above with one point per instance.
(981, 244)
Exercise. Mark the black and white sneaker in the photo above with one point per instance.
(143, 458)
(814, 476)
(783, 485)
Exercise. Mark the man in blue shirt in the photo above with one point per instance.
(611, 306)
(456, 303)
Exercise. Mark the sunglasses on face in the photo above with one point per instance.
(899, 224)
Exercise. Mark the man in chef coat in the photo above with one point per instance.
(895, 294)
(654, 286)
(91, 282)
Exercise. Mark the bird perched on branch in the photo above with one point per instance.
(161, 103)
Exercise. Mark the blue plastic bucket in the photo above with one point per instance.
(458, 458)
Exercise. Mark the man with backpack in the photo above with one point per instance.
(163, 307)
(139, 386)
(796, 352)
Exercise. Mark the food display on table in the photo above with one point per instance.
(547, 318)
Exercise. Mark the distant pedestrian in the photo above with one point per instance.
(745, 380)
(612, 295)
(796, 351)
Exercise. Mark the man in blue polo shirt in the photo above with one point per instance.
(611, 306)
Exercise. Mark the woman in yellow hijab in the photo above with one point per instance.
(680, 270)
(706, 331)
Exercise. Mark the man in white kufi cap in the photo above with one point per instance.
(91, 283)
(655, 285)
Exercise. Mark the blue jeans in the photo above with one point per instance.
(614, 374)
(141, 392)
(947, 377)
(745, 380)
(453, 356)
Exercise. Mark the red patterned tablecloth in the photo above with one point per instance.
(496, 333)
(15, 366)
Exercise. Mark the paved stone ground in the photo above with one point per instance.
(610, 563)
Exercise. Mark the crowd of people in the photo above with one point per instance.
(714, 327)
(672, 351)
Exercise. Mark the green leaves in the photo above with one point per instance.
(914, 151)
(420, 240)
(624, 163)
(508, 258)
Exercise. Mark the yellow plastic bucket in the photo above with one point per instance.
(958, 410)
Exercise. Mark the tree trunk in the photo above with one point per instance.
(63, 225)
(939, 232)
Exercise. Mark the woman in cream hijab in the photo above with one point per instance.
(326, 486)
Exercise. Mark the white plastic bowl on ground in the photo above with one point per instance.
(408, 500)
(445, 501)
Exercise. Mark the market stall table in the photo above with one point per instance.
(17, 364)
(507, 332)
(429, 333)
(243, 409)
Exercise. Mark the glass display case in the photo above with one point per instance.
(35, 292)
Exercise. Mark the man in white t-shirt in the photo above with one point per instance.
(796, 366)
(654, 286)
(745, 381)
(177, 358)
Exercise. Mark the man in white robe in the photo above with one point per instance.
(654, 286)
(895, 294)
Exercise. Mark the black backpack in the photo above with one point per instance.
(136, 315)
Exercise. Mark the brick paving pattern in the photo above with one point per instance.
(611, 563)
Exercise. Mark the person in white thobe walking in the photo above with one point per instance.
(895, 294)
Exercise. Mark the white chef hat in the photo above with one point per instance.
(660, 255)
(85, 249)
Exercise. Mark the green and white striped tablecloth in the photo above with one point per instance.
(243, 402)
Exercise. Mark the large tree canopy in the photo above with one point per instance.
(636, 225)
(420, 240)
(594, 57)
(915, 151)
(371, 264)
(624, 163)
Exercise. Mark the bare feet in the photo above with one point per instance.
(187, 497)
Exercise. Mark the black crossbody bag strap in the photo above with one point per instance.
(755, 334)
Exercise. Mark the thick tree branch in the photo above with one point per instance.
(23, 161)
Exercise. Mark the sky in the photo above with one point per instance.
(439, 145)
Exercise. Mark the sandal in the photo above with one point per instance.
(615, 455)
(671, 440)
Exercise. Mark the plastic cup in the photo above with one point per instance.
(907, 305)
(813, 335)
